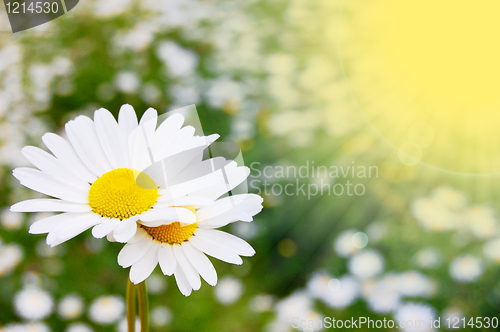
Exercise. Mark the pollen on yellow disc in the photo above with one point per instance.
(174, 233)
(122, 193)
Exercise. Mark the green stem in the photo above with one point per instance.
(131, 305)
(143, 306)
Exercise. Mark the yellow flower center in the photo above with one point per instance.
(174, 233)
(122, 193)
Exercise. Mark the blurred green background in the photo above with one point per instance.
(418, 242)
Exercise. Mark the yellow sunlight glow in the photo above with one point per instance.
(427, 75)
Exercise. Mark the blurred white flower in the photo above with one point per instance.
(428, 258)
(161, 316)
(341, 292)
(382, 296)
(416, 317)
(122, 325)
(317, 285)
(368, 287)
(284, 93)
(223, 91)
(10, 220)
(491, 250)
(110, 8)
(376, 231)
(156, 284)
(26, 327)
(435, 217)
(33, 303)
(450, 316)
(366, 264)
(383, 300)
(106, 309)
(127, 81)
(319, 71)
(10, 256)
(138, 38)
(228, 290)
(150, 93)
(343, 244)
(32, 279)
(178, 60)
(70, 307)
(482, 221)
(295, 121)
(245, 230)
(44, 250)
(413, 283)
(297, 305)
(40, 77)
(359, 240)
(449, 198)
(262, 303)
(79, 327)
(184, 94)
(62, 65)
(281, 64)
(466, 268)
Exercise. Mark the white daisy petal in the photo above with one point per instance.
(140, 235)
(186, 200)
(189, 271)
(76, 226)
(149, 119)
(147, 124)
(112, 138)
(125, 230)
(50, 165)
(249, 204)
(178, 143)
(201, 263)
(127, 119)
(145, 266)
(182, 282)
(233, 176)
(110, 237)
(167, 259)
(102, 230)
(132, 253)
(240, 246)
(82, 135)
(164, 171)
(46, 204)
(205, 141)
(204, 168)
(38, 181)
(157, 217)
(186, 188)
(63, 151)
(223, 219)
(47, 224)
(215, 251)
(168, 128)
(140, 156)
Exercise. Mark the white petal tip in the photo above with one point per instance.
(15, 208)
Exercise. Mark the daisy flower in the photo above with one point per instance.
(179, 248)
(110, 175)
